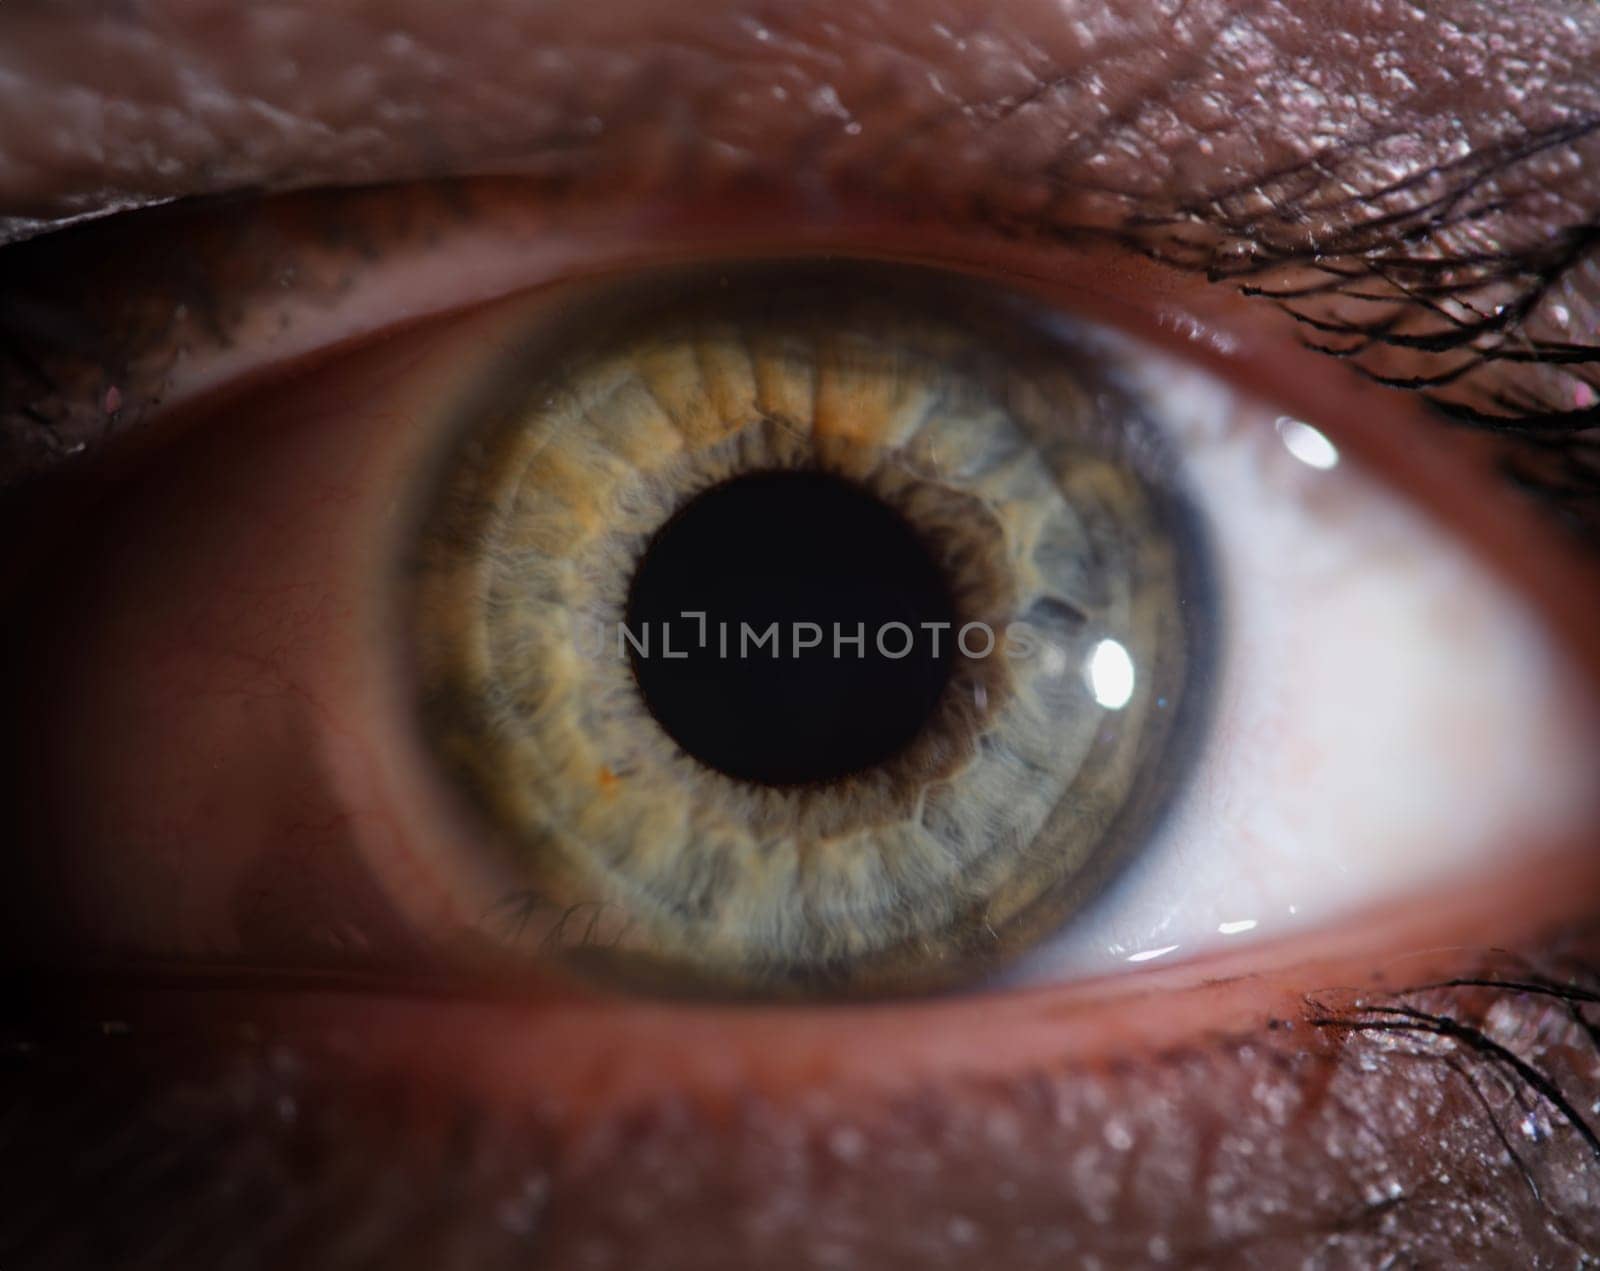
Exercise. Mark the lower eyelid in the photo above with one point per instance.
(589, 1052)
(1291, 1140)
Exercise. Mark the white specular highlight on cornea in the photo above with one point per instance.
(1110, 675)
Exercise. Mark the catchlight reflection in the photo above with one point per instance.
(1307, 444)
(1110, 675)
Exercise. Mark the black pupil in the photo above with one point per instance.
(789, 548)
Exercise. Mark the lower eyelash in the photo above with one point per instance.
(1318, 1137)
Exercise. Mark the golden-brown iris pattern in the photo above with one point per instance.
(1035, 485)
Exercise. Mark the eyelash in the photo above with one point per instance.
(1494, 385)
(1484, 372)
(1402, 267)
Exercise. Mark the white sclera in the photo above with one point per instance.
(1388, 717)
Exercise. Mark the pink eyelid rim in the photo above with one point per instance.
(579, 1056)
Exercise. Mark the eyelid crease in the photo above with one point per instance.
(1447, 251)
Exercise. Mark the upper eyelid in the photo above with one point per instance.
(1144, 65)
(557, 86)
(95, 322)
(1371, 217)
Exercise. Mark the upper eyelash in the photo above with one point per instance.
(1386, 248)
(1480, 366)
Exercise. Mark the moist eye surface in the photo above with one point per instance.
(807, 630)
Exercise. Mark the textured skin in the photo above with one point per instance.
(159, 99)
(1321, 1143)
(1425, 171)
(1249, 137)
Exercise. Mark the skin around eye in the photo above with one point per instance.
(239, 609)
(1027, 1130)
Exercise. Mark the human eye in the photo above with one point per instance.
(310, 1044)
